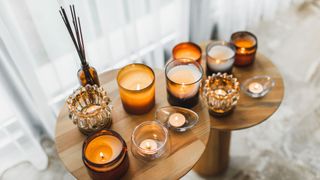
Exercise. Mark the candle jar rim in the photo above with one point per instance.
(136, 64)
(186, 43)
(243, 33)
(184, 61)
(221, 43)
(164, 129)
(102, 132)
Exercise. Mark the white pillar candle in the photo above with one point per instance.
(221, 58)
(177, 120)
(149, 146)
(186, 76)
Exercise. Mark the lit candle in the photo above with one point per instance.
(246, 45)
(177, 120)
(255, 88)
(149, 146)
(183, 81)
(220, 92)
(105, 155)
(187, 50)
(220, 57)
(136, 87)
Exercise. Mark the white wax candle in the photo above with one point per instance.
(177, 120)
(221, 58)
(255, 87)
(184, 75)
(220, 92)
(149, 146)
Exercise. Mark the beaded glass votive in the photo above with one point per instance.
(89, 108)
(220, 93)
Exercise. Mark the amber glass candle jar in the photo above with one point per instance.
(183, 78)
(246, 45)
(137, 88)
(187, 50)
(104, 153)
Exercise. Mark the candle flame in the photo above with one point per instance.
(101, 155)
(138, 87)
(242, 50)
(148, 145)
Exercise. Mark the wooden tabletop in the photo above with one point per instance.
(186, 148)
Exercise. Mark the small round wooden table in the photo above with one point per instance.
(186, 148)
(248, 112)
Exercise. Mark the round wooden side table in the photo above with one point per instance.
(186, 148)
(248, 112)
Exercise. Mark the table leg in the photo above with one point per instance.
(215, 158)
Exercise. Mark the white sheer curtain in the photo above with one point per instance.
(39, 63)
(220, 18)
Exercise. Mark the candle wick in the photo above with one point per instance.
(101, 155)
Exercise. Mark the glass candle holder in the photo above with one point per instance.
(105, 156)
(137, 88)
(246, 45)
(187, 50)
(220, 57)
(149, 141)
(221, 93)
(183, 78)
(90, 109)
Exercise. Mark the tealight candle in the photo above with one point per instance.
(177, 120)
(220, 57)
(187, 50)
(183, 81)
(246, 45)
(255, 87)
(104, 154)
(149, 146)
(136, 87)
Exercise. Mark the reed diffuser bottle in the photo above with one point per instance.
(86, 74)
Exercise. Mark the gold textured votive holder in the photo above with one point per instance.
(90, 109)
(221, 93)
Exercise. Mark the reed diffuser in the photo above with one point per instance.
(86, 74)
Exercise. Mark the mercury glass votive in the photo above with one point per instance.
(90, 109)
(187, 50)
(149, 141)
(105, 156)
(183, 78)
(246, 45)
(137, 88)
(221, 93)
(219, 57)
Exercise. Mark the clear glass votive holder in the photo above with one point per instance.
(246, 45)
(188, 50)
(105, 155)
(183, 77)
(136, 84)
(219, 57)
(90, 109)
(150, 141)
(221, 93)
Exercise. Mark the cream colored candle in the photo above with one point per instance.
(185, 76)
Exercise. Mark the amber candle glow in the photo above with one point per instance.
(187, 50)
(105, 155)
(136, 87)
(246, 45)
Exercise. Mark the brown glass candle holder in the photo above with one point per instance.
(187, 50)
(246, 45)
(137, 88)
(183, 77)
(90, 109)
(221, 93)
(105, 156)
